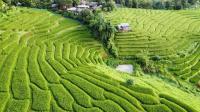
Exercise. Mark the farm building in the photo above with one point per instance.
(123, 27)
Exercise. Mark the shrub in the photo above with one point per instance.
(129, 82)
(156, 58)
(112, 62)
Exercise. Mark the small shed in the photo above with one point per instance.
(123, 27)
(128, 68)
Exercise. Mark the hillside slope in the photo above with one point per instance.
(173, 36)
(52, 64)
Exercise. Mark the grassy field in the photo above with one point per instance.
(53, 64)
(171, 35)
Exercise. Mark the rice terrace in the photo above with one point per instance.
(100, 56)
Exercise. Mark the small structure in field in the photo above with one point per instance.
(123, 27)
(128, 68)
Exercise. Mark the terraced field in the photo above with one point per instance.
(52, 64)
(171, 35)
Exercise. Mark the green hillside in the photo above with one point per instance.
(53, 64)
(170, 35)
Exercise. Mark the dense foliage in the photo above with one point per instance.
(102, 29)
(159, 4)
(3, 6)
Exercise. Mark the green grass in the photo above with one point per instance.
(53, 64)
(171, 35)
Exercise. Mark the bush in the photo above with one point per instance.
(112, 62)
(129, 82)
(156, 58)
